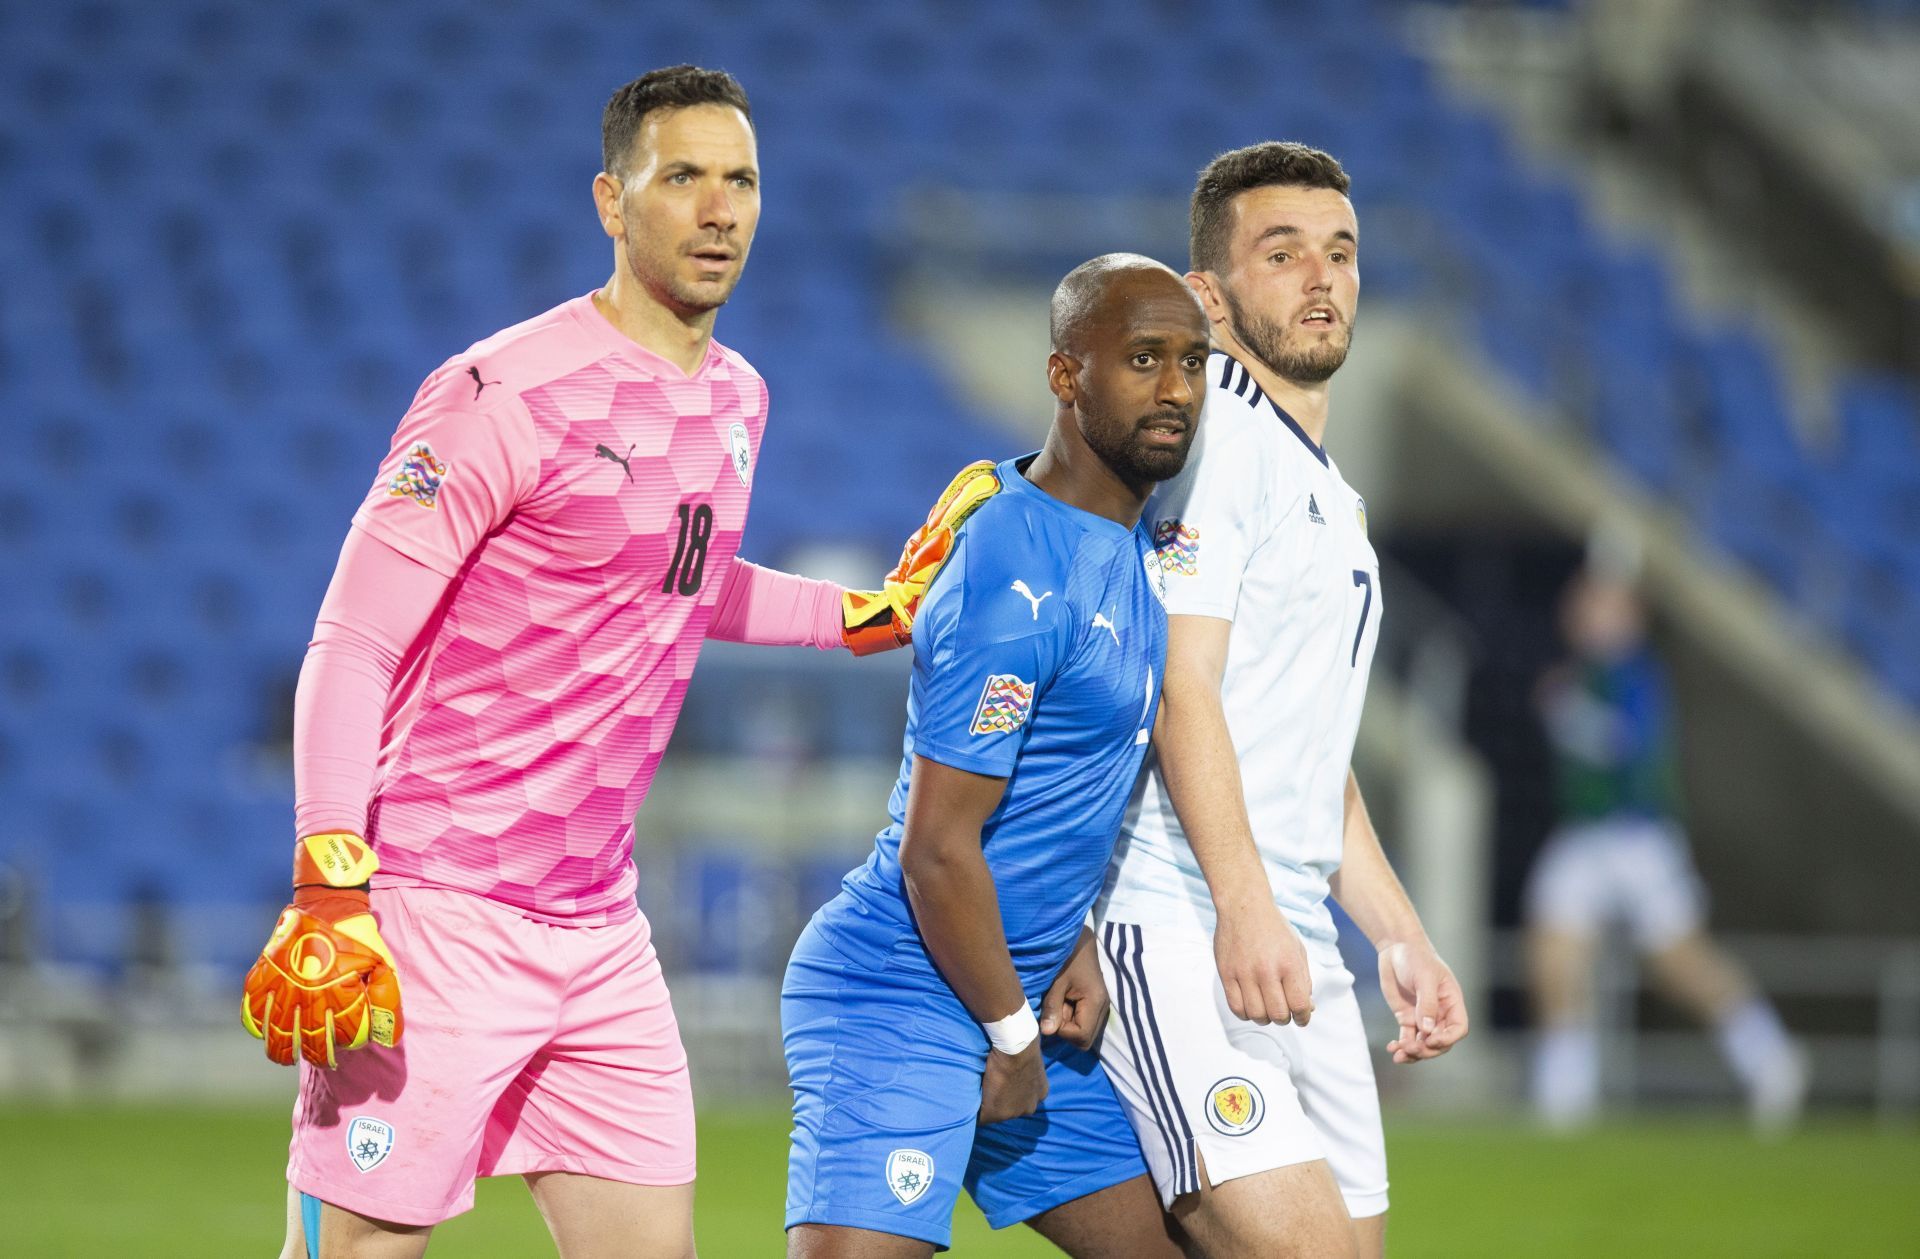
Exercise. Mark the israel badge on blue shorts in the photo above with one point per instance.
(909, 1172)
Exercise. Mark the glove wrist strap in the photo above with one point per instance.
(336, 859)
(868, 617)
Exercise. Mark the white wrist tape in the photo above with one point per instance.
(1015, 1032)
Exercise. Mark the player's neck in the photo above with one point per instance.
(1070, 471)
(1307, 404)
(653, 326)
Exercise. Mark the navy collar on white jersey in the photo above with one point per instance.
(1237, 380)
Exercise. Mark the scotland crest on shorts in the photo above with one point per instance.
(369, 1141)
(909, 1172)
(1235, 1107)
(1179, 547)
(419, 478)
(1004, 705)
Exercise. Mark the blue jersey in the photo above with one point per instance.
(1038, 654)
(1037, 658)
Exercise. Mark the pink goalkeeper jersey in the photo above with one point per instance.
(586, 498)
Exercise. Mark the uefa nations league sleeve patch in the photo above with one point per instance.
(1004, 705)
(420, 476)
(1179, 547)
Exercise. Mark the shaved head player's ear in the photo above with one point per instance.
(1063, 371)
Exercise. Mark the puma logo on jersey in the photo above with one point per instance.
(1026, 592)
(479, 384)
(604, 451)
(1100, 621)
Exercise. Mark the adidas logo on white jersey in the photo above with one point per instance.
(1313, 511)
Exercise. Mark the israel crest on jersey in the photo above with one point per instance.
(909, 1172)
(741, 449)
(369, 1141)
(1156, 574)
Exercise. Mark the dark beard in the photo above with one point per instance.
(1267, 341)
(1118, 444)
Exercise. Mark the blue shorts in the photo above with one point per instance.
(886, 1088)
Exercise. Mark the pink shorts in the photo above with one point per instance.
(526, 1048)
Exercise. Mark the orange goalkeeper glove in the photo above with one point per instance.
(325, 979)
(880, 620)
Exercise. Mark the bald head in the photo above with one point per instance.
(1129, 365)
(1100, 288)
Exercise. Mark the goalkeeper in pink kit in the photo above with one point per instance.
(496, 671)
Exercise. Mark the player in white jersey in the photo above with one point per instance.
(1253, 1096)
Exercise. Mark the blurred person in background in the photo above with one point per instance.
(1237, 1043)
(496, 670)
(1619, 857)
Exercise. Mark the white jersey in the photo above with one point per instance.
(1260, 529)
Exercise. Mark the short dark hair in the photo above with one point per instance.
(1275, 162)
(672, 87)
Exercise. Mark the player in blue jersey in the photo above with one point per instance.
(908, 1006)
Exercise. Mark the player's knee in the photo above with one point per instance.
(1320, 1239)
(1295, 1239)
(333, 1233)
(1286, 1214)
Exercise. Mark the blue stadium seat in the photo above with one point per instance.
(1878, 417)
(337, 199)
(817, 877)
(742, 905)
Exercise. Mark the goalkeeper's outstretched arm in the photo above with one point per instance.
(776, 609)
(760, 605)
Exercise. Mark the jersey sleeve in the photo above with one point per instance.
(772, 608)
(452, 476)
(983, 654)
(375, 608)
(1208, 521)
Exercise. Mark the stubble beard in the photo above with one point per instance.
(686, 298)
(1266, 340)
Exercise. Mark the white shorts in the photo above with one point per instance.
(1631, 870)
(1196, 1079)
